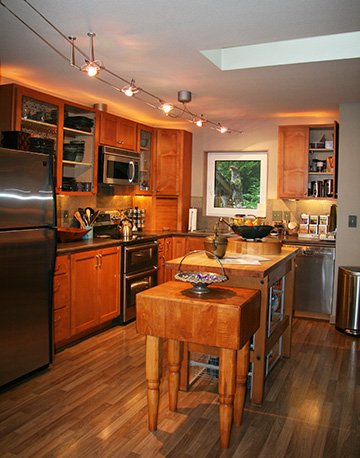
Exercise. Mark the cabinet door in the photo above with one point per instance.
(293, 162)
(109, 284)
(167, 162)
(145, 143)
(84, 268)
(168, 248)
(117, 132)
(61, 326)
(195, 243)
(166, 211)
(161, 260)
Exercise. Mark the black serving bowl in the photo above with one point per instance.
(252, 232)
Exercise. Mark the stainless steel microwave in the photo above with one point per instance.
(117, 166)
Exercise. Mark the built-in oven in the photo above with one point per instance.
(139, 272)
(118, 167)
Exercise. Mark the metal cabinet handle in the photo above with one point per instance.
(100, 261)
(56, 288)
(120, 142)
(97, 261)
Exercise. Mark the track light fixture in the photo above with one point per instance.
(130, 89)
(92, 67)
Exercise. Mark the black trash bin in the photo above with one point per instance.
(348, 301)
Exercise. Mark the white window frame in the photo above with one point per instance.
(212, 157)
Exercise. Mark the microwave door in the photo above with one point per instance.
(116, 170)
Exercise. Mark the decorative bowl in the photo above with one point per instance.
(252, 232)
(200, 280)
(70, 234)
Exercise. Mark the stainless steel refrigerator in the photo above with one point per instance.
(27, 258)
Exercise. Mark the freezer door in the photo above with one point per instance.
(26, 269)
(27, 197)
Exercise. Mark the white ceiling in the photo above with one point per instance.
(158, 43)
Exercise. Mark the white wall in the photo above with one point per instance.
(259, 135)
(348, 239)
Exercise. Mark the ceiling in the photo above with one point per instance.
(159, 44)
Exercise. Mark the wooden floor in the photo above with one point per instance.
(92, 403)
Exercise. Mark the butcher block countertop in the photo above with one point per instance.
(199, 261)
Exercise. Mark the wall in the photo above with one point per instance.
(259, 135)
(348, 239)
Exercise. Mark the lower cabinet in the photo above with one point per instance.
(61, 300)
(164, 254)
(95, 288)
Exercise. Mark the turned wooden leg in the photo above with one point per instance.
(152, 370)
(226, 393)
(242, 368)
(174, 363)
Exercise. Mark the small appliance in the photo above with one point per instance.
(118, 167)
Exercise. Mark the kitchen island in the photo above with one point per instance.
(274, 278)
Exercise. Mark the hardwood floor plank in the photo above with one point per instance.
(92, 403)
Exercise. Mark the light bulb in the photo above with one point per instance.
(167, 107)
(199, 122)
(92, 71)
(222, 129)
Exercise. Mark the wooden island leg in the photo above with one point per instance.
(174, 363)
(226, 393)
(242, 369)
(153, 373)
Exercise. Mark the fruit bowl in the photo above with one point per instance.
(70, 234)
(252, 232)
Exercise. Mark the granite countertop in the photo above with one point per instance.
(95, 243)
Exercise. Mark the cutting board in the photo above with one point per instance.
(265, 246)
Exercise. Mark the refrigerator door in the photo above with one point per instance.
(27, 196)
(26, 266)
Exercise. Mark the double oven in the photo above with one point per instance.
(139, 259)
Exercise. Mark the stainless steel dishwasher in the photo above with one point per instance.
(314, 278)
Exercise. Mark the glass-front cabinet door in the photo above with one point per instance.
(145, 146)
(78, 151)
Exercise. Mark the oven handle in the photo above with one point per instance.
(140, 247)
(141, 273)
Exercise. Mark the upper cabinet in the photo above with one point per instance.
(145, 144)
(66, 130)
(77, 167)
(117, 132)
(307, 161)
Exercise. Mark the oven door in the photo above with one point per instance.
(140, 257)
(133, 284)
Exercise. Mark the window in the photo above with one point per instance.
(236, 183)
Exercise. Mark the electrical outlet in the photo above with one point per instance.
(66, 214)
(287, 216)
(277, 215)
(352, 221)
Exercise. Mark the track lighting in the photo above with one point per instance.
(130, 89)
(92, 66)
(167, 107)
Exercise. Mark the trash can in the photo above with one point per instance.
(348, 301)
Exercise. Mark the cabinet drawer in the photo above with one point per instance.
(61, 324)
(61, 291)
(61, 265)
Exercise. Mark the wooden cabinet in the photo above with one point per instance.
(195, 243)
(172, 186)
(61, 300)
(55, 126)
(77, 164)
(164, 254)
(145, 144)
(297, 161)
(117, 132)
(95, 288)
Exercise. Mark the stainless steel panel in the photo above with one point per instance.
(26, 190)
(26, 269)
(348, 300)
(140, 257)
(314, 278)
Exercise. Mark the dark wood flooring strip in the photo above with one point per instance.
(92, 403)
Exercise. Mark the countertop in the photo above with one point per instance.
(95, 243)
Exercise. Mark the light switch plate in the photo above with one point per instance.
(277, 215)
(287, 216)
(352, 221)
